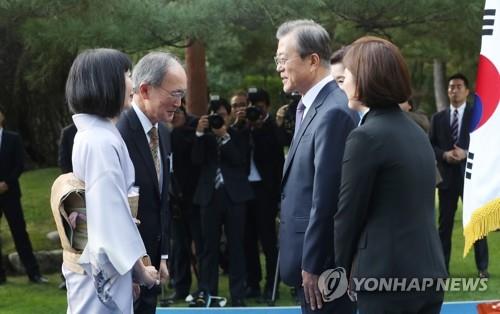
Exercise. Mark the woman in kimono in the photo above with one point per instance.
(97, 89)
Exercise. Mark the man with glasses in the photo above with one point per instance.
(311, 175)
(159, 84)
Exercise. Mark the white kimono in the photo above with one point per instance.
(100, 159)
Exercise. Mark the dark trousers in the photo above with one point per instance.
(426, 302)
(221, 210)
(448, 200)
(13, 212)
(186, 230)
(261, 227)
(342, 305)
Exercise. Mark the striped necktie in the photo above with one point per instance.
(454, 126)
(153, 146)
(298, 117)
(219, 180)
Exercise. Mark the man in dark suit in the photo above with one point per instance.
(265, 169)
(222, 191)
(186, 224)
(159, 83)
(11, 167)
(66, 148)
(312, 170)
(449, 135)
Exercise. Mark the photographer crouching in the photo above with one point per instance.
(223, 188)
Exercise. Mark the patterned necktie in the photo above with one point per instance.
(218, 173)
(153, 145)
(298, 116)
(454, 126)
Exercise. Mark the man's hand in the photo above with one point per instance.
(450, 157)
(459, 153)
(202, 124)
(136, 291)
(3, 187)
(164, 275)
(220, 132)
(240, 116)
(311, 290)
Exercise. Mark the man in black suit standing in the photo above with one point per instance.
(265, 168)
(449, 135)
(222, 191)
(159, 83)
(11, 167)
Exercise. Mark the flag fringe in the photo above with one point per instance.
(483, 220)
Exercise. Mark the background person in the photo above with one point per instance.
(11, 167)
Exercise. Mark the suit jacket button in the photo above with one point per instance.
(282, 196)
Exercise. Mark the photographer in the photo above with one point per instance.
(265, 169)
(222, 191)
(186, 216)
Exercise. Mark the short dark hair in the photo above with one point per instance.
(380, 72)
(311, 38)
(258, 95)
(338, 55)
(96, 82)
(459, 76)
(216, 104)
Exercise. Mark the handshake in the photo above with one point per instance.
(144, 274)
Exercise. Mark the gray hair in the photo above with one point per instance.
(310, 36)
(152, 68)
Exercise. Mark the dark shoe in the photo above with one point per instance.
(38, 279)
(238, 303)
(252, 292)
(484, 274)
(199, 299)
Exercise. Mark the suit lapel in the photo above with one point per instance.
(142, 145)
(311, 113)
(447, 124)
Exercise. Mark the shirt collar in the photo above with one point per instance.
(460, 109)
(145, 122)
(312, 93)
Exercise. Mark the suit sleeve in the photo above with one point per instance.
(433, 136)
(358, 176)
(17, 166)
(235, 151)
(329, 145)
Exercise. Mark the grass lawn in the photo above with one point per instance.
(18, 296)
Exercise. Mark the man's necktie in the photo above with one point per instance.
(454, 126)
(298, 117)
(218, 173)
(153, 145)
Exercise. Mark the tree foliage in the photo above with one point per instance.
(41, 38)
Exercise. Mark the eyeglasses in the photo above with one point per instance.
(281, 61)
(175, 93)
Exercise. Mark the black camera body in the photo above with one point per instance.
(215, 121)
(253, 113)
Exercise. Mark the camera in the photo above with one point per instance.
(215, 121)
(253, 113)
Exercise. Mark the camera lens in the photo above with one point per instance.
(253, 113)
(215, 121)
